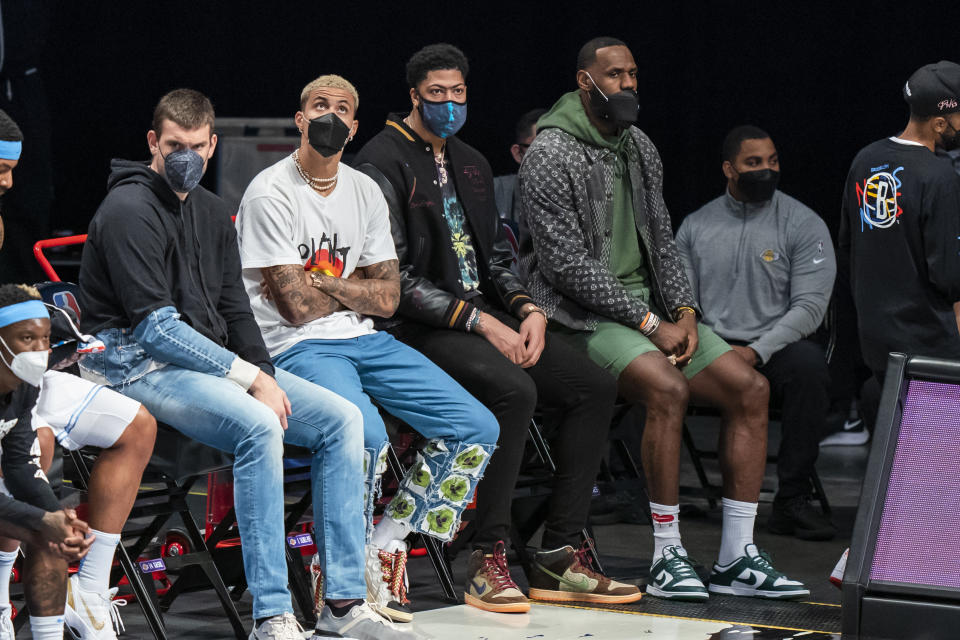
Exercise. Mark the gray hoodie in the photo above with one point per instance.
(762, 272)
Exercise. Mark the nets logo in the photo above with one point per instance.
(878, 198)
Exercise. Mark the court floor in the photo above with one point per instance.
(549, 622)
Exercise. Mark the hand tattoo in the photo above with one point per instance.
(376, 294)
(295, 299)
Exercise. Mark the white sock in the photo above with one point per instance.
(47, 627)
(94, 573)
(666, 527)
(389, 534)
(7, 558)
(738, 518)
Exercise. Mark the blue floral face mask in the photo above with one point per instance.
(443, 119)
(183, 169)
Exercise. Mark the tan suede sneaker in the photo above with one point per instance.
(489, 585)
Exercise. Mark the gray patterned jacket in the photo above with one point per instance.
(566, 190)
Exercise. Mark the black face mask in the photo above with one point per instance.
(328, 134)
(949, 143)
(758, 186)
(618, 108)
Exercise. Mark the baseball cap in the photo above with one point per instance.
(934, 89)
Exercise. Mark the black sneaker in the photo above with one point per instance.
(798, 517)
(853, 434)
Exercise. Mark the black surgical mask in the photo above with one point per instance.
(951, 142)
(758, 186)
(183, 169)
(618, 108)
(328, 134)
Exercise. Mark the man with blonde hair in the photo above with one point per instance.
(160, 286)
(317, 233)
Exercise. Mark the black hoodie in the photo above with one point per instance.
(146, 250)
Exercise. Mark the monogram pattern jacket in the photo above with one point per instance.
(566, 188)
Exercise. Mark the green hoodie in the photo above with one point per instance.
(626, 255)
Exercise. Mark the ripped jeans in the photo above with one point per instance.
(461, 432)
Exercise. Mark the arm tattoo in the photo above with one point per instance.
(376, 294)
(297, 302)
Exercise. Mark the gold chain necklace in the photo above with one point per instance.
(317, 184)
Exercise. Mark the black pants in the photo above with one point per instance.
(800, 384)
(563, 379)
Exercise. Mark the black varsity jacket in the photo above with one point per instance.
(402, 164)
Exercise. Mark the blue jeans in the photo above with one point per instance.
(218, 413)
(462, 433)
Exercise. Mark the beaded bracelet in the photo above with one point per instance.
(472, 320)
(650, 324)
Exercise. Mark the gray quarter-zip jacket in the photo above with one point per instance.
(761, 272)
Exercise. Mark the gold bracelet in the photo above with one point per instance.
(679, 312)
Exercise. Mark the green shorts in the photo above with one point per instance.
(613, 346)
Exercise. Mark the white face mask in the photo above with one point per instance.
(29, 366)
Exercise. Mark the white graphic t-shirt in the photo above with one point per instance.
(282, 220)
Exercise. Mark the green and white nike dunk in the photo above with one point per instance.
(673, 577)
(566, 574)
(752, 575)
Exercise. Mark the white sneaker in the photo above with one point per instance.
(282, 627)
(91, 616)
(360, 623)
(386, 577)
(6, 622)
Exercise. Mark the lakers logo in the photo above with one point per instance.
(770, 255)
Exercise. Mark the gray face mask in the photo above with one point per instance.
(183, 169)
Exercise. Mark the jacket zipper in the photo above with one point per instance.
(743, 231)
(198, 281)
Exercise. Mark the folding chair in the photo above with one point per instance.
(711, 491)
(296, 482)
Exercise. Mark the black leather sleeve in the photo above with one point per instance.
(509, 286)
(420, 299)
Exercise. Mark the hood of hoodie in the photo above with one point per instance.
(124, 172)
(568, 115)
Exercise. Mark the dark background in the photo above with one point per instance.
(823, 78)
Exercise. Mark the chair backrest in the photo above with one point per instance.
(49, 243)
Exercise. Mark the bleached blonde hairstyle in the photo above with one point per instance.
(332, 81)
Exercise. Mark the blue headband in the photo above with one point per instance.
(29, 310)
(10, 150)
